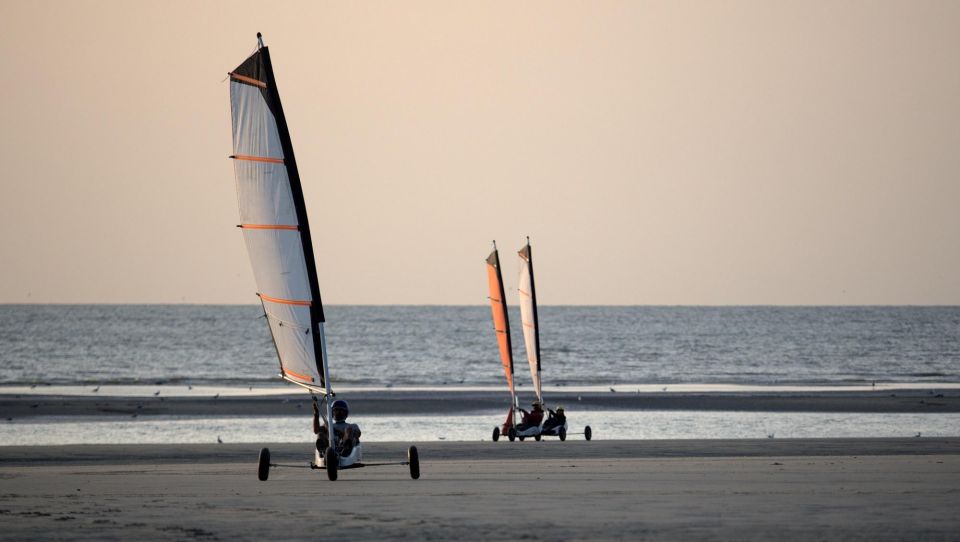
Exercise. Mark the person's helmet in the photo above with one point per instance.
(535, 404)
(340, 410)
(559, 409)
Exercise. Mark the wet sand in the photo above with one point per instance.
(458, 402)
(833, 489)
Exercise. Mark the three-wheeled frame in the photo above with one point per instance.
(331, 461)
(561, 431)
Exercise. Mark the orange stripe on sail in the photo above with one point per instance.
(257, 159)
(248, 80)
(298, 375)
(284, 301)
(268, 227)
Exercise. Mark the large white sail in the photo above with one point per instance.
(273, 220)
(528, 315)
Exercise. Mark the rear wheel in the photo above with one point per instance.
(563, 434)
(331, 461)
(512, 434)
(263, 465)
(496, 434)
(587, 433)
(414, 458)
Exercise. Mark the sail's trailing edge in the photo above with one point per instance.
(501, 324)
(274, 223)
(528, 315)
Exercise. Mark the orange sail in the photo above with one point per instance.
(501, 323)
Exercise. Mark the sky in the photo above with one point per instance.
(657, 153)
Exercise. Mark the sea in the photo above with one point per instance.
(228, 347)
(456, 345)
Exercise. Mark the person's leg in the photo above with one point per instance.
(347, 442)
(323, 439)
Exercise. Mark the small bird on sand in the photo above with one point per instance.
(95, 390)
(217, 396)
(770, 435)
(156, 393)
(219, 440)
(613, 390)
(917, 435)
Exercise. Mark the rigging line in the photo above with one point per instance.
(285, 322)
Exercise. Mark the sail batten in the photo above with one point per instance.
(274, 223)
(266, 159)
(528, 316)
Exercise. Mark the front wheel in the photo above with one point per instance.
(496, 434)
(263, 465)
(521, 438)
(563, 434)
(331, 461)
(414, 458)
(587, 433)
(512, 434)
(536, 438)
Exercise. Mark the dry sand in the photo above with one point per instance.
(840, 489)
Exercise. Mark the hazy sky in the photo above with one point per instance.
(656, 152)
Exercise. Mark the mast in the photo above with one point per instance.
(501, 321)
(528, 315)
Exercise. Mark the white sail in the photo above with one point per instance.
(528, 316)
(273, 222)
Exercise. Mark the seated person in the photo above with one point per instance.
(532, 418)
(556, 418)
(345, 435)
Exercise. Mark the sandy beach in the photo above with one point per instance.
(824, 489)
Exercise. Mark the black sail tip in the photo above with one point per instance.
(259, 40)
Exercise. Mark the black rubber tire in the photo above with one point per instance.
(587, 433)
(537, 438)
(512, 434)
(331, 461)
(263, 465)
(521, 438)
(563, 434)
(496, 434)
(414, 458)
